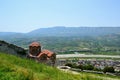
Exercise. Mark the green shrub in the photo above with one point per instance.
(80, 67)
(108, 69)
(88, 67)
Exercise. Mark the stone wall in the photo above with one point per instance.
(11, 49)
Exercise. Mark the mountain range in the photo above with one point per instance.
(97, 39)
(65, 31)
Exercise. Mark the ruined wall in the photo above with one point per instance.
(11, 49)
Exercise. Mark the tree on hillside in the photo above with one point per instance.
(108, 69)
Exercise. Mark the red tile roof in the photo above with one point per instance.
(41, 54)
(35, 44)
(46, 52)
(49, 53)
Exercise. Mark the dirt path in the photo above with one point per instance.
(68, 71)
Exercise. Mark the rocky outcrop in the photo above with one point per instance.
(11, 49)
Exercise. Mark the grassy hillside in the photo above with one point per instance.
(15, 68)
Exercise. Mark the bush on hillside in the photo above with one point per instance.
(80, 67)
(72, 65)
(88, 67)
(108, 69)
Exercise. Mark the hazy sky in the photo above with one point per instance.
(27, 15)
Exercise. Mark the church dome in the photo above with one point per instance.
(35, 44)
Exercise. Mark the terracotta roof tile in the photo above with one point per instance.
(35, 44)
(49, 53)
(41, 54)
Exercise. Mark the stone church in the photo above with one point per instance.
(42, 56)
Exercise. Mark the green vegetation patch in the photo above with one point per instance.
(15, 68)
